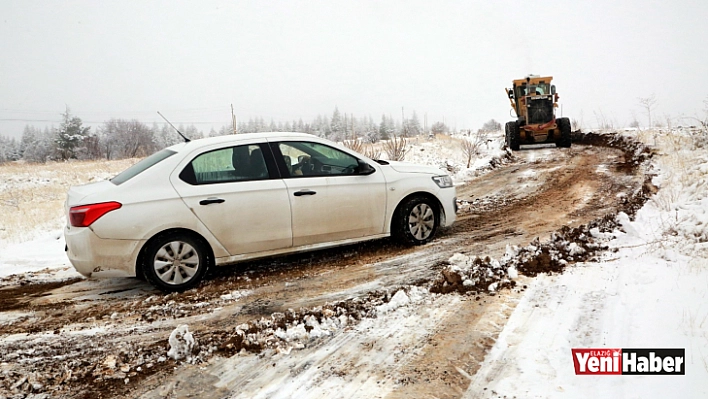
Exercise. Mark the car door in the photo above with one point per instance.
(242, 202)
(329, 200)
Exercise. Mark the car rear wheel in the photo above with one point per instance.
(175, 262)
(416, 221)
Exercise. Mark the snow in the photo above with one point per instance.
(651, 293)
(341, 368)
(398, 300)
(448, 155)
(46, 251)
(181, 343)
(235, 295)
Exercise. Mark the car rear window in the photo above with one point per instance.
(141, 166)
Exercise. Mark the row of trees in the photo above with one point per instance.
(338, 127)
(120, 138)
(115, 139)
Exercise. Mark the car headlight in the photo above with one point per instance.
(443, 181)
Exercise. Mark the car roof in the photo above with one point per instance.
(236, 138)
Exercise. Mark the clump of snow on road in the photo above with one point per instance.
(181, 343)
(398, 300)
(235, 295)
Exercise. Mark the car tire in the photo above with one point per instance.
(416, 221)
(565, 131)
(175, 262)
(512, 135)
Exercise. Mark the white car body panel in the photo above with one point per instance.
(344, 207)
(254, 217)
(258, 218)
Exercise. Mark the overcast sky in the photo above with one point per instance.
(296, 59)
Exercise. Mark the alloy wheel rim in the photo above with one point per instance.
(176, 262)
(421, 221)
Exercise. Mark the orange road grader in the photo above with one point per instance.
(534, 100)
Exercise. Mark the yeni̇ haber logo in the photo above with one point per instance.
(615, 361)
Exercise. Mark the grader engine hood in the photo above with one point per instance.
(539, 109)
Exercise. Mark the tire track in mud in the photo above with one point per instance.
(511, 205)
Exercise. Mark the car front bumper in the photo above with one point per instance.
(448, 200)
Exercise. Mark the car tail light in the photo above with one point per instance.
(85, 215)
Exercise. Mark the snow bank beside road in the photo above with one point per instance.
(650, 294)
(46, 251)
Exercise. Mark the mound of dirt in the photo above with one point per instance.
(473, 275)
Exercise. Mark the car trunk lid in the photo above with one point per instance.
(77, 194)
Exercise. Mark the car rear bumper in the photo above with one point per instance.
(93, 256)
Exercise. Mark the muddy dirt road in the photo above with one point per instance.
(109, 338)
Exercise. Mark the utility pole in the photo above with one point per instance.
(233, 119)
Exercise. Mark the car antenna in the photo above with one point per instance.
(186, 140)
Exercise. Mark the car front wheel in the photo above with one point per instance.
(416, 221)
(175, 262)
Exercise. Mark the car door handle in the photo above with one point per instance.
(211, 200)
(304, 192)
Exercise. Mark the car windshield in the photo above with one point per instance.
(141, 166)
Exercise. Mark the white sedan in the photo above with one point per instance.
(222, 200)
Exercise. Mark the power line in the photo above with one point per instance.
(83, 121)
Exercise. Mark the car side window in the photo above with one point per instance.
(231, 164)
(313, 159)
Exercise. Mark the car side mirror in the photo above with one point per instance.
(511, 94)
(553, 89)
(364, 168)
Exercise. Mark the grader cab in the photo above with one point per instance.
(534, 100)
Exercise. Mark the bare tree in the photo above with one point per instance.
(372, 152)
(92, 147)
(669, 121)
(355, 145)
(648, 104)
(126, 139)
(439, 128)
(472, 147)
(396, 148)
(491, 126)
